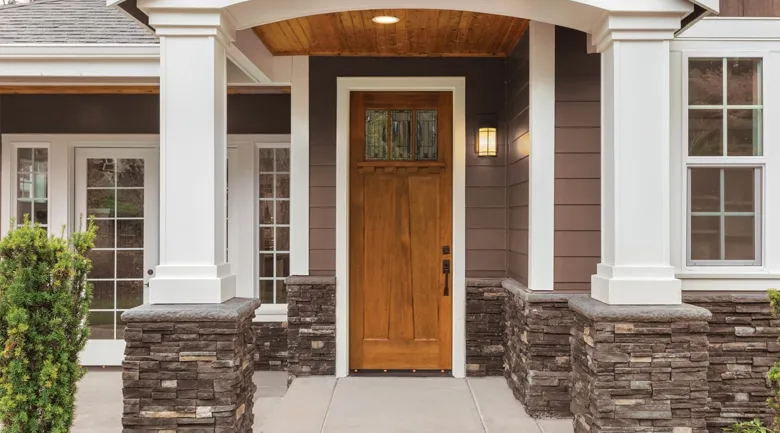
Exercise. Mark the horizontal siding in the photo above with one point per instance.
(750, 8)
(577, 163)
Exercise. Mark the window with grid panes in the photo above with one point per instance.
(274, 216)
(724, 161)
(32, 185)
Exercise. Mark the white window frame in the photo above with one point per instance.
(727, 38)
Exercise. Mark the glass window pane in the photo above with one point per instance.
(130, 264)
(130, 173)
(101, 325)
(130, 203)
(105, 234)
(401, 135)
(130, 234)
(282, 186)
(266, 186)
(281, 292)
(41, 157)
(40, 186)
(744, 82)
(266, 212)
(24, 161)
(120, 326)
(705, 189)
(282, 212)
(705, 238)
(129, 294)
(266, 265)
(740, 237)
(100, 172)
(282, 160)
(102, 264)
(41, 212)
(267, 291)
(744, 132)
(739, 193)
(24, 185)
(427, 135)
(282, 265)
(266, 238)
(102, 295)
(23, 208)
(100, 203)
(376, 135)
(266, 160)
(705, 82)
(705, 132)
(283, 239)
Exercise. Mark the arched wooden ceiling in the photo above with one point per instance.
(419, 33)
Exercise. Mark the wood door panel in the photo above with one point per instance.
(400, 218)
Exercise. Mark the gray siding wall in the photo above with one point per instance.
(577, 162)
(515, 124)
(485, 177)
(749, 8)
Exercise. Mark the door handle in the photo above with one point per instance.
(446, 271)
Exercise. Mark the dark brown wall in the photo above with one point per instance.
(515, 123)
(130, 114)
(577, 162)
(750, 8)
(485, 177)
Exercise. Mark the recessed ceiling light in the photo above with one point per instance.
(385, 19)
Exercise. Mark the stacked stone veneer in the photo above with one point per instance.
(188, 368)
(271, 346)
(311, 327)
(639, 368)
(538, 356)
(484, 325)
(742, 347)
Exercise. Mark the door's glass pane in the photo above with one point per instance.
(282, 265)
(130, 233)
(282, 160)
(739, 192)
(266, 186)
(129, 294)
(282, 186)
(705, 189)
(24, 162)
(283, 239)
(101, 203)
(102, 263)
(104, 238)
(266, 211)
(744, 81)
(705, 132)
(282, 212)
(266, 265)
(401, 135)
(102, 295)
(705, 238)
(23, 208)
(266, 238)
(130, 203)
(266, 160)
(705, 82)
(101, 325)
(120, 326)
(129, 264)
(267, 291)
(427, 135)
(41, 212)
(100, 172)
(740, 238)
(376, 135)
(744, 132)
(130, 173)
(281, 292)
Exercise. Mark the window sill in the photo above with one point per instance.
(271, 313)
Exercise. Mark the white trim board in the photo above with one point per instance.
(456, 85)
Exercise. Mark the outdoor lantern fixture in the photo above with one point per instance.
(486, 140)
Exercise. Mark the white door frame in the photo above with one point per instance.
(456, 85)
(111, 352)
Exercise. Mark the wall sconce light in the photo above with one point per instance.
(487, 140)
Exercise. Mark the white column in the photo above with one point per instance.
(299, 166)
(541, 163)
(193, 137)
(635, 263)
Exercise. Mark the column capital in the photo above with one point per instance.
(189, 18)
(634, 26)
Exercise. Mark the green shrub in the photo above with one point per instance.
(44, 301)
(755, 426)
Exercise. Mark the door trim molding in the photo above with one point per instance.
(456, 85)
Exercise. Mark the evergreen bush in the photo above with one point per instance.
(44, 302)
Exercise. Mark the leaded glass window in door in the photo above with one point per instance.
(401, 135)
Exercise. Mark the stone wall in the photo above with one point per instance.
(311, 329)
(189, 368)
(270, 345)
(484, 327)
(537, 357)
(639, 368)
(742, 347)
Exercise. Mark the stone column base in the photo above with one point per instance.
(639, 369)
(189, 368)
(311, 326)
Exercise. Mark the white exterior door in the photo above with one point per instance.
(119, 187)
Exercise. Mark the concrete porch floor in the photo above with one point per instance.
(330, 405)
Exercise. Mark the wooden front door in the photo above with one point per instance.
(400, 231)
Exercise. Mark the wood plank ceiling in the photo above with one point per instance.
(420, 33)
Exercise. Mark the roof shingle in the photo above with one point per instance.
(70, 22)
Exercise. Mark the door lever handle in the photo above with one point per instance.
(446, 271)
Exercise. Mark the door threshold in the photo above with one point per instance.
(400, 373)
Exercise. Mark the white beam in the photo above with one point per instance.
(251, 56)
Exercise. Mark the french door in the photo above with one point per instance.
(119, 188)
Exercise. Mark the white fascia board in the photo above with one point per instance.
(79, 51)
(713, 6)
(80, 60)
(734, 28)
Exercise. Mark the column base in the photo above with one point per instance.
(639, 368)
(622, 285)
(311, 326)
(189, 367)
(192, 285)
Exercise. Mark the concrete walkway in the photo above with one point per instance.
(366, 404)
